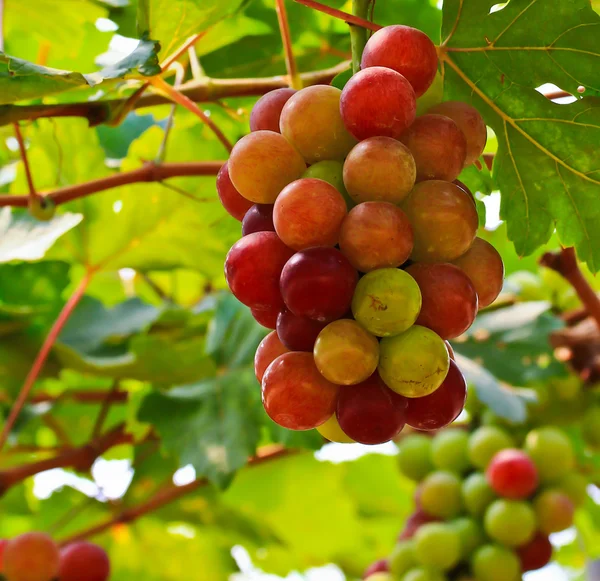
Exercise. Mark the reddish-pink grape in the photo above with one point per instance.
(536, 554)
(270, 348)
(438, 146)
(294, 393)
(370, 412)
(298, 333)
(309, 212)
(235, 204)
(32, 556)
(83, 561)
(406, 50)
(318, 283)
(449, 300)
(470, 122)
(253, 267)
(442, 407)
(380, 566)
(259, 218)
(267, 110)
(414, 522)
(267, 317)
(378, 101)
(512, 474)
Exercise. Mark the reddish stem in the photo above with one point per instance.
(183, 48)
(345, 16)
(23, 151)
(40, 360)
(290, 61)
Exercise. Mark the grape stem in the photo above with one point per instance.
(341, 15)
(565, 263)
(23, 151)
(295, 81)
(358, 34)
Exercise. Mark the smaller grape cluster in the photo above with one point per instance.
(35, 556)
(365, 262)
(485, 508)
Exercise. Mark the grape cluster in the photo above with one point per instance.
(36, 557)
(485, 508)
(359, 246)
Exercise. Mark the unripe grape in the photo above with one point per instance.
(332, 172)
(590, 427)
(485, 442)
(554, 510)
(574, 485)
(536, 554)
(495, 563)
(441, 494)
(470, 534)
(414, 456)
(312, 123)
(552, 452)
(31, 557)
(477, 494)
(41, 208)
(510, 522)
(386, 301)
(432, 96)
(333, 432)
(82, 561)
(402, 558)
(414, 363)
(266, 112)
(449, 450)
(345, 353)
(424, 574)
(437, 545)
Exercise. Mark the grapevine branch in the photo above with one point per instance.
(80, 396)
(41, 357)
(341, 15)
(290, 61)
(163, 497)
(358, 34)
(149, 172)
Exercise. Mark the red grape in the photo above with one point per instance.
(253, 267)
(270, 348)
(369, 412)
(318, 283)
(414, 522)
(235, 204)
(442, 407)
(512, 474)
(536, 554)
(449, 300)
(267, 110)
(376, 235)
(380, 566)
(438, 146)
(379, 168)
(554, 510)
(82, 561)
(294, 393)
(267, 317)
(309, 212)
(31, 557)
(483, 265)
(3, 543)
(378, 101)
(470, 122)
(444, 221)
(298, 333)
(259, 218)
(406, 50)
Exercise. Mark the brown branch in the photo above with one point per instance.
(80, 396)
(80, 459)
(165, 496)
(290, 61)
(199, 91)
(149, 172)
(565, 263)
(341, 15)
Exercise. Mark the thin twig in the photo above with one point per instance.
(162, 149)
(290, 60)
(104, 409)
(340, 14)
(40, 360)
(80, 396)
(190, 42)
(23, 151)
(195, 66)
(185, 194)
(179, 98)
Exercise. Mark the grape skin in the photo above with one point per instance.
(266, 112)
(333, 432)
(414, 456)
(552, 452)
(269, 349)
(234, 203)
(437, 545)
(267, 317)
(554, 510)
(332, 172)
(495, 563)
(259, 218)
(535, 554)
(30, 557)
(297, 333)
(485, 442)
(449, 450)
(510, 522)
(512, 474)
(441, 494)
(82, 561)
(477, 494)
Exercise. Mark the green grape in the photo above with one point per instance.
(415, 363)
(495, 563)
(510, 522)
(423, 574)
(441, 495)
(470, 534)
(345, 353)
(437, 545)
(332, 431)
(332, 172)
(414, 456)
(449, 450)
(380, 577)
(432, 96)
(402, 558)
(554, 511)
(590, 427)
(485, 442)
(477, 494)
(552, 452)
(574, 485)
(41, 208)
(386, 301)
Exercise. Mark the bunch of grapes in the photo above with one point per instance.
(359, 246)
(485, 508)
(36, 557)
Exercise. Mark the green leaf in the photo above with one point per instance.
(213, 425)
(116, 140)
(546, 165)
(143, 60)
(25, 238)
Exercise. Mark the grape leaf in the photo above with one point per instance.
(546, 166)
